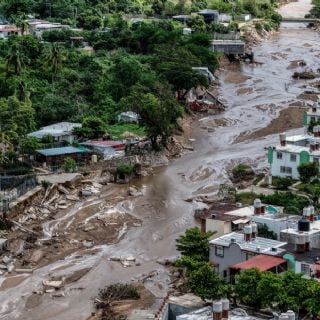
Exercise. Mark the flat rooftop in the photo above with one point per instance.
(311, 256)
(262, 245)
(206, 314)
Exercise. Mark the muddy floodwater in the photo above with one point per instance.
(255, 95)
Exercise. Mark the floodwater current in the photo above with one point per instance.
(254, 95)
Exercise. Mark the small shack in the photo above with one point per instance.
(56, 156)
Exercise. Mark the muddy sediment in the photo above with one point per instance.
(289, 118)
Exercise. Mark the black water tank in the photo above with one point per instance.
(304, 225)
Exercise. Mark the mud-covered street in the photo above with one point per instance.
(255, 96)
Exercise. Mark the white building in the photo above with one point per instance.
(293, 151)
(235, 247)
(129, 116)
(62, 131)
(7, 31)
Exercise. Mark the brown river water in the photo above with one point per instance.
(264, 91)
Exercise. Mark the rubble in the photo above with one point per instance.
(305, 75)
(56, 284)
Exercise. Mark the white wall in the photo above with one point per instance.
(286, 162)
(274, 225)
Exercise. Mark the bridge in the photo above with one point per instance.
(300, 20)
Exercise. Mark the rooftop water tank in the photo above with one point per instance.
(300, 239)
(254, 227)
(247, 229)
(257, 203)
(291, 315)
(304, 225)
(217, 306)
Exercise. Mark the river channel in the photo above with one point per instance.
(255, 95)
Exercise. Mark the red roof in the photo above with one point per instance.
(111, 143)
(262, 262)
(13, 29)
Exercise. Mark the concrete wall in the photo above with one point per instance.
(220, 227)
(274, 225)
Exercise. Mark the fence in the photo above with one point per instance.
(226, 36)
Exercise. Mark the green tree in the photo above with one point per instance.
(307, 171)
(195, 244)
(69, 164)
(54, 57)
(16, 59)
(206, 283)
(246, 288)
(29, 145)
(264, 232)
(92, 128)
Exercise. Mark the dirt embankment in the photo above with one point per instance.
(289, 118)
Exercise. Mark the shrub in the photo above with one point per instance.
(307, 171)
(281, 183)
(118, 291)
(242, 172)
(124, 169)
(69, 164)
(45, 184)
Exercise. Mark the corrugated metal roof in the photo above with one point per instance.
(262, 262)
(61, 151)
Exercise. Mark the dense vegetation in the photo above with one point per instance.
(315, 11)
(95, 14)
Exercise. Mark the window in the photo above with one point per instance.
(225, 273)
(219, 251)
(286, 170)
(279, 155)
(316, 160)
(305, 268)
(293, 157)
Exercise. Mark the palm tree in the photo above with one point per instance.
(54, 57)
(23, 25)
(16, 59)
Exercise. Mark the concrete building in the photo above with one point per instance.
(303, 248)
(129, 117)
(313, 114)
(62, 131)
(223, 218)
(285, 157)
(38, 26)
(7, 31)
(229, 47)
(209, 15)
(236, 247)
(293, 151)
(55, 156)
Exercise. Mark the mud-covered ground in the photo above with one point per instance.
(255, 95)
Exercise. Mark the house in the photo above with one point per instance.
(209, 15)
(223, 218)
(37, 26)
(7, 31)
(108, 149)
(186, 31)
(293, 151)
(129, 117)
(235, 247)
(56, 156)
(217, 219)
(229, 47)
(244, 17)
(313, 114)
(62, 131)
(224, 17)
(303, 248)
(182, 18)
